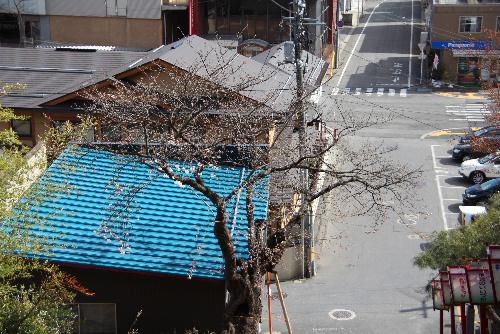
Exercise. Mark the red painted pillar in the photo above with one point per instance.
(441, 322)
(463, 319)
(483, 319)
(194, 19)
(452, 320)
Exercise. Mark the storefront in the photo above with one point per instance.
(477, 66)
(467, 63)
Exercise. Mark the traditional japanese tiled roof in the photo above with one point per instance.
(314, 67)
(49, 73)
(112, 211)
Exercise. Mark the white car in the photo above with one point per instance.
(478, 170)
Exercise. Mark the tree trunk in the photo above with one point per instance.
(243, 314)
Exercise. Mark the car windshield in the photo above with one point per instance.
(486, 159)
(481, 131)
(490, 185)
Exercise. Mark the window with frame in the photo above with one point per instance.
(95, 318)
(22, 127)
(498, 23)
(470, 23)
(116, 7)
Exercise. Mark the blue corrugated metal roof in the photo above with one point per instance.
(156, 225)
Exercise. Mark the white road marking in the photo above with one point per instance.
(470, 112)
(358, 91)
(434, 157)
(451, 187)
(392, 92)
(465, 119)
(452, 199)
(369, 91)
(402, 93)
(346, 91)
(411, 46)
(380, 92)
(335, 90)
(440, 193)
(357, 41)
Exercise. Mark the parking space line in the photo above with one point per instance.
(434, 157)
(438, 185)
(452, 199)
(451, 187)
(441, 203)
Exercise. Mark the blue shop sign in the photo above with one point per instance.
(475, 45)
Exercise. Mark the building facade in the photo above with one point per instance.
(147, 24)
(462, 36)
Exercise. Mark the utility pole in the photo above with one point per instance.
(299, 7)
(297, 22)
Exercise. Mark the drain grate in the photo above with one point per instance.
(340, 314)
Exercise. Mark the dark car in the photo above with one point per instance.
(462, 152)
(488, 132)
(480, 193)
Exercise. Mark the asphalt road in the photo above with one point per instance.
(366, 266)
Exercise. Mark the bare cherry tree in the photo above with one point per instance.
(214, 111)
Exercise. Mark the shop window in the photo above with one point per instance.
(470, 23)
(22, 127)
(468, 71)
(95, 318)
(498, 23)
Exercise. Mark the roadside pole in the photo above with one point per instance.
(299, 7)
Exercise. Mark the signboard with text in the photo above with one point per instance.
(494, 258)
(480, 286)
(446, 287)
(459, 286)
(476, 45)
(437, 295)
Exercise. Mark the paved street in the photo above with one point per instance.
(365, 266)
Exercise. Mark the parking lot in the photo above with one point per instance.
(450, 185)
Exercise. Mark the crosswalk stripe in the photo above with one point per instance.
(368, 91)
(468, 120)
(468, 111)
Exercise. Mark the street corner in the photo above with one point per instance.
(462, 95)
(447, 133)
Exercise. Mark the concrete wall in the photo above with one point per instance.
(145, 9)
(33, 7)
(115, 31)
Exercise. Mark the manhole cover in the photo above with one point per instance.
(340, 314)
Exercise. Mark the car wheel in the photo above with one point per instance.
(477, 177)
(466, 157)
